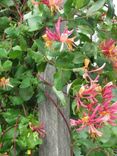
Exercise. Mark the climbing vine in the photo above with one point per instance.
(78, 38)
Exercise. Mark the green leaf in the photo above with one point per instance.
(74, 107)
(61, 77)
(76, 85)
(34, 19)
(7, 3)
(26, 83)
(111, 10)
(98, 152)
(86, 29)
(16, 100)
(83, 134)
(17, 48)
(68, 6)
(95, 7)
(28, 140)
(12, 32)
(16, 52)
(80, 3)
(114, 130)
(9, 135)
(60, 95)
(65, 61)
(23, 43)
(40, 96)
(7, 65)
(4, 23)
(106, 134)
(37, 56)
(79, 58)
(114, 94)
(90, 49)
(3, 53)
(10, 115)
(77, 151)
(26, 93)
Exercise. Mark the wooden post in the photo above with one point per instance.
(57, 140)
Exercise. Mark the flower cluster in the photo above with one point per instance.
(63, 37)
(53, 5)
(49, 36)
(109, 49)
(98, 109)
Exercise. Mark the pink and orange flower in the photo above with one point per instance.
(89, 121)
(39, 129)
(58, 36)
(54, 5)
(108, 114)
(108, 110)
(5, 82)
(109, 49)
(96, 103)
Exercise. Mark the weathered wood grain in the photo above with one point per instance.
(57, 141)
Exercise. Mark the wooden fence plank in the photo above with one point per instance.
(57, 141)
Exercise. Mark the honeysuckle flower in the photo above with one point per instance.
(88, 93)
(86, 120)
(97, 103)
(94, 132)
(108, 113)
(90, 90)
(48, 42)
(39, 129)
(5, 82)
(107, 93)
(60, 37)
(109, 49)
(89, 121)
(108, 110)
(54, 5)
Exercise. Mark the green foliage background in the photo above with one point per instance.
(23, 56)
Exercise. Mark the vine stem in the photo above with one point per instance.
(24, 109)
(61, 113)
(97, 149)
(51, 85)
(18, 10)
(14, 139)
(5, 131)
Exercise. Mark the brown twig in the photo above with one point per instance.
(15, 130)
(5, 131)
(51, 85)
(18, 10)
(24, 109)
(45, 81)
(97, 149)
